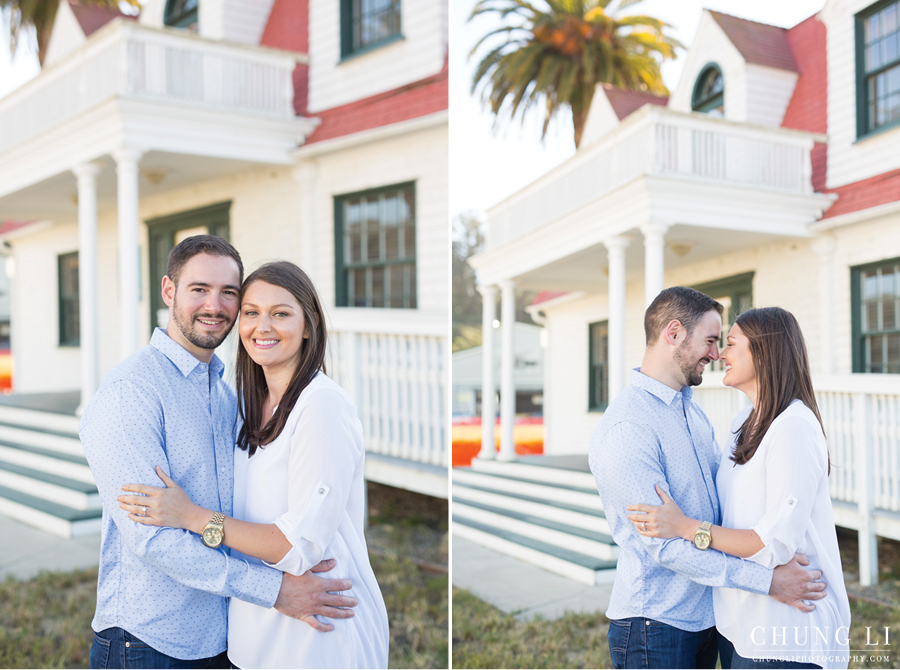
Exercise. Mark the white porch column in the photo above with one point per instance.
(129, 268)
(86, 173)
(507, 370)
(823, 247)
(306, 175)
(654, 266)
(488, 383)
(616, 249)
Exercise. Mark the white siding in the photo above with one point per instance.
(848, 160)
(601, 118)
(418, 55)
(234, 20)
(67, 35)
(769, 92)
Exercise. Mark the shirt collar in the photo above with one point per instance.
(185, 361)
(655, 387)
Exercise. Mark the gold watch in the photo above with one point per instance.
(703, 536)
(214, 532)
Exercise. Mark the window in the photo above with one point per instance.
(736, 295)
(598, 388)
(375, 248)
(875, 300)
(69, 332)
(709, 92)
(181, 14)
(366, 24)
(878, 67)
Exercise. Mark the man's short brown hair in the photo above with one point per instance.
(678, 303)
(200, 244)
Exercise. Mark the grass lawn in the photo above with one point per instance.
(485, 637)
(45, 622)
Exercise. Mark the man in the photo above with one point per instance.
(162, 594)
(661, 611)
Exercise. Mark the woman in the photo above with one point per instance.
(299, 493)
(773, 489)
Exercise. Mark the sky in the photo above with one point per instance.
(487, 166)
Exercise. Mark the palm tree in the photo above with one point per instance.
(40, 14)
(555, 54)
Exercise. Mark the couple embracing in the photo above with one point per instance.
(741, 560)
(219, 508)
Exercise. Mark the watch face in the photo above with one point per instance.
(212, 537)
(702, 540)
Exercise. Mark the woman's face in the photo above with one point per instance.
(739, 370)
(272, 326)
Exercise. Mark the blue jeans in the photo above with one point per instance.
(117, 648)
(645, 643)
(726, 649)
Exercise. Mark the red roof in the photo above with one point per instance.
(759, 43)
(92, 19)
(878, 190)
(288, 28)
(808, 108)
(624, 102)
(545, 296)
(9, 226)
(420, 98)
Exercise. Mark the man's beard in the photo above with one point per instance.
(191, 334)
(689, 367)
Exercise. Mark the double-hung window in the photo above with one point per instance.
(598, 384)
(367, 24)
(69, 331)
(875, 300)
(878, 66)
(375, 248)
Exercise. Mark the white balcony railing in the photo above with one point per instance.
(658, 141)
(399, 384)
(861, 414)
(126, 60)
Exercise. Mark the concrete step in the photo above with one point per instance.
(49, 516)
(537, 473)
(48, 461)
(575, 538)
(572, 564)
(30, 418)
(43, 438)
(572, 515)
(72, 493)
(527, 487)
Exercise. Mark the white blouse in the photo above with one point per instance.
(782, 494)
(309, 482)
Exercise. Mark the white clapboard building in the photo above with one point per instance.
(314, 132)
(771, 176)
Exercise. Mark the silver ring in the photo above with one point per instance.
(643, 528)
(144, 509)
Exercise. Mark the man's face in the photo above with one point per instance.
(205, 303)
(698, 349)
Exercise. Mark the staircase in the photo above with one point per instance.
(44, 477)
(541, 509)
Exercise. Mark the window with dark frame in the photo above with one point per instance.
(366, 24)
(878, 66)
(598, 388)
(181, 14)
(375, 245)
(69, 329)
(875, 299)
(736, 295)
(709, 92)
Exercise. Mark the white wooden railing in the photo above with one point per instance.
(861, 413)
(399, 382)
(658, 141)
(124, 59)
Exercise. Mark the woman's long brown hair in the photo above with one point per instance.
(782, 374)
(251, 384)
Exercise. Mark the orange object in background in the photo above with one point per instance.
(528, 435)
(5, 371)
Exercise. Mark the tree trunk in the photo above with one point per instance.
(579, 118)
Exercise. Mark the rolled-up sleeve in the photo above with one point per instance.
(627, 466)
(326, 447)
(124, 439)
(795, 464)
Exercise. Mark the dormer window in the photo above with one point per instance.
(878, 67)
(367, 24)
(709, 92)
(181, 14)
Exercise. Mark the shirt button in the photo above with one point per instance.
(321, 492)
(648, 623)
